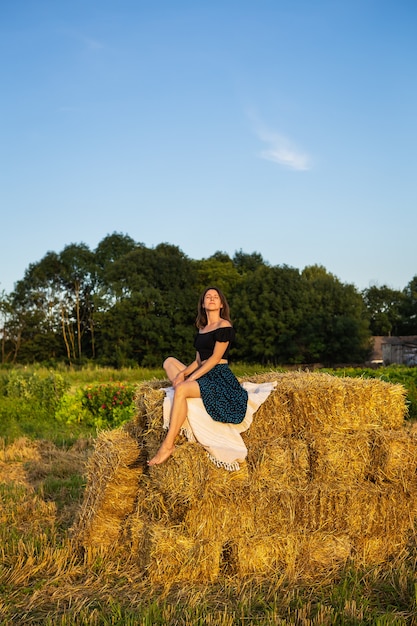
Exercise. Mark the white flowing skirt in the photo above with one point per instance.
(223, 442)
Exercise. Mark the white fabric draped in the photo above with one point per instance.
(223, 442)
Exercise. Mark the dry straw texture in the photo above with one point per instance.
(330, 477)
(112, 481)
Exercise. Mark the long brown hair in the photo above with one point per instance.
(201, 320)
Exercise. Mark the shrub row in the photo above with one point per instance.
(43, 405)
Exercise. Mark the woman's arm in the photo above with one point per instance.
(220, 348)
(181, 376)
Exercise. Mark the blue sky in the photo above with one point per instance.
(284, 127)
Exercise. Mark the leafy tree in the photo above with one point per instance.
(6, 316)
(384, 307)
(125, 303)
(34, 326)
(245, 263)
(217, 271)
(112, 248)
(77, 281)
(267, 312)
(408, 309)
(54, 300)
(154, 299)
(126, 330)
(335, 328)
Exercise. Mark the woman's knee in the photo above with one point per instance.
(180, 391)
(167, 362)
(171, 364)
(187, 389)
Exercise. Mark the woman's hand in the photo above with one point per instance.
(179, 378)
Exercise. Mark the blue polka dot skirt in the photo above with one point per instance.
(223, 397)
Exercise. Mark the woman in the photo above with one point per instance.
(208, 377)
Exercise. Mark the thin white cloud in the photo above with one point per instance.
(281, 150)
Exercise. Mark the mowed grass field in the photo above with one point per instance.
(46, 579)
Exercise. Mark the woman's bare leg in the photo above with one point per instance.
(172, 367)
(187, 389)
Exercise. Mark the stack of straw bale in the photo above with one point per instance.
(110, 496)
(329, 478)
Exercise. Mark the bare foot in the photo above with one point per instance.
(162, 455)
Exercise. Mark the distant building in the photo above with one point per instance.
(394, 350)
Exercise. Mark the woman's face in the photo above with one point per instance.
(212, 300)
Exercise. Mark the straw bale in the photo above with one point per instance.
(146, 426)
(265, 555)
(112, 486)
(272, 511)
(150, 502)
(136, 536)
(149, 508)
(295, 555)
(176, 557)
(377, 549)
(341, 457)
(322, 508)
(304, 404)
(272, 420)
(152, 399)
(188, 478)
(379, 510)
(330, 466)
(307, 404)
(184, 478)
(395, 457)
(222, 483)
(360, 509)
(325, 550)
(376, 403)
(314, 400)
(283, 462)
(242, 515)
(221, 519)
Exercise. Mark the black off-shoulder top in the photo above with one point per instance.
(204, 342)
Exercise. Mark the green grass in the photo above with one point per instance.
(23, 419)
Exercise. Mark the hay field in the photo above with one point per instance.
(319, 518)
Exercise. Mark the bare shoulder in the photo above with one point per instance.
(224, 324)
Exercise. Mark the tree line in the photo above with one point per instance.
(124, 304)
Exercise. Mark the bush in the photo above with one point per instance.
(40, 404)
(71, 410)
(46, 391)
(110, 404)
